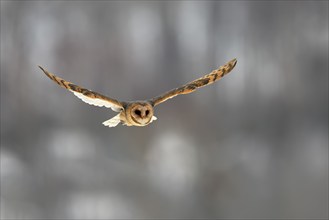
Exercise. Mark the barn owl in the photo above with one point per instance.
(138, 113)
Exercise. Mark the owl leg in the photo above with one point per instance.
(113, 121)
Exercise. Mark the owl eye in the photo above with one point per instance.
(138, 112)
(147, 112)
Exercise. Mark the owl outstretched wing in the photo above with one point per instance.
(198, 83)
(90, 97)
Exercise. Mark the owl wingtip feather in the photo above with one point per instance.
(41, 67)
(234, 61)
(45, 71)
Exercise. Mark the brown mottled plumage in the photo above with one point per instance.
(138, 113)
(192, 86)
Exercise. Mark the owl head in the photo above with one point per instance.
(139, 113)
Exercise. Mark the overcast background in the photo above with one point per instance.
(253, 145)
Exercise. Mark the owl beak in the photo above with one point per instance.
(144, 113)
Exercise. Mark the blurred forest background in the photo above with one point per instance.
(253, 145)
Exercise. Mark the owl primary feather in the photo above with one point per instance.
(138, 113)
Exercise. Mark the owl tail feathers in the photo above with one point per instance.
(113, 121)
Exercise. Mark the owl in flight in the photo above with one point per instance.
(138, 113)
